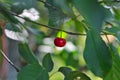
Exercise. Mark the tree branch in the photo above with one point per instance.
(9, 61)
(43, 25)
(57, 29)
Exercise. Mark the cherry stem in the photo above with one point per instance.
(61, 34)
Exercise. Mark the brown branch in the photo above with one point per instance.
(11, 63)
(57, 29)
(43, 25)
(3, 47)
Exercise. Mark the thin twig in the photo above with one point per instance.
(107, 38)
(11, 63)
(43, 25)
(57, 29)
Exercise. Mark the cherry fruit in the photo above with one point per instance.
(59, 42)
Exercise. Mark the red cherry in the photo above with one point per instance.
(59, 42)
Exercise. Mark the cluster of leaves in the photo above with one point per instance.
(100, 58)
(35, 71)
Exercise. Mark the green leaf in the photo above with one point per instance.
(13, 27)
(1, 45)
(79, 26)
(47, 62)
(65, 70)
(35, 31)
(71, 61)
(97, 54)
(76, 75)
(17, 8)
(65, 7)
(115, 71)
(117, 13)
(56, 16)
(33, 72)
(5, 12)
(1, 32)
(27, 54)
(115, 31)
(92, 11)
(23, 4)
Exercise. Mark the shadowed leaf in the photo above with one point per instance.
(27, 54)
(47, 62)
(97, 54)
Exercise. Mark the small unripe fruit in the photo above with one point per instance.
(59, 42)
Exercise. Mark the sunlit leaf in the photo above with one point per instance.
(117, 13)
(27, 54)
(47, 62)
(77, 75)
(97, 54)
(79, 26)
(33, 72)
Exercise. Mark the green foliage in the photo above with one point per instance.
(69, 58)
(80, 27)
(87, 16)
(47, 62)
(7, 14)
(65, 7)
(115, 30)
(71, 61)
(97, 54)
(114, 73)
(73, 75)
(93, 13)
(56, 16)
(65, 70)
(1, 31)
(76, 75)
(27, 54)
(33, 72)
(13, 27)
(117, 13)
(18, 6)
